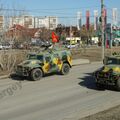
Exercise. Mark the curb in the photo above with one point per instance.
(80, 62)
(4, 76)
(75, 63)
(97, 62)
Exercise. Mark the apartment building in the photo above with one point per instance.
(49, 22)
(1, 22)
(25, 21)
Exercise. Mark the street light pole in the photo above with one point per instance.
(102, 29)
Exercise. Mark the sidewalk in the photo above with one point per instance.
(74, 63)
(4, 76)
(80, 62)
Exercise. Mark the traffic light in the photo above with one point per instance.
(100, 19)
(108, 28)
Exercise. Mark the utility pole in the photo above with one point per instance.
(102, 29)
(49, 22)
(70, 32)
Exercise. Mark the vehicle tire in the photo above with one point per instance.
(65, 69)
(118, 84)
(36, 74)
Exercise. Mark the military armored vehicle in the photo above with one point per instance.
(48, 61)
(109, 74)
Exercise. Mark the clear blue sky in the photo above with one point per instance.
(65, 9)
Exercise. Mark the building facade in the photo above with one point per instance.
(49, 22)
(2, 22)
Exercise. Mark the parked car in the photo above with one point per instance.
(72, 46)
(5, 46)
(1, 47)
(116, 42)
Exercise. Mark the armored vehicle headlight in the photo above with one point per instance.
(106, 69)
(33, 62)
(116, 69)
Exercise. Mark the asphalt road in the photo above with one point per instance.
(55, 97)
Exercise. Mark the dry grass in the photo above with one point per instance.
(9, 59)
(93, 54)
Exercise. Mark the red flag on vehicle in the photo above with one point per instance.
(54, 37)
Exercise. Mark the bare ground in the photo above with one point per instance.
(91, 53)
(94, 54)
(111, 114)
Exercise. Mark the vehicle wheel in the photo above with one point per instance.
(36, 74)
(118, 84)
(65, 69)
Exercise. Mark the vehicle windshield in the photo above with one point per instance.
(112, 61)
(33, 56)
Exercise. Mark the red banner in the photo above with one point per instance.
(105, 16)
(54, 37)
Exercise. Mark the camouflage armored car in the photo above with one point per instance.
(109, 74)
(47, 61)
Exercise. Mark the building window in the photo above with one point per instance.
(54, 20)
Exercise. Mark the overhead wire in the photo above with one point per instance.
(61, 15)
(53, 11)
